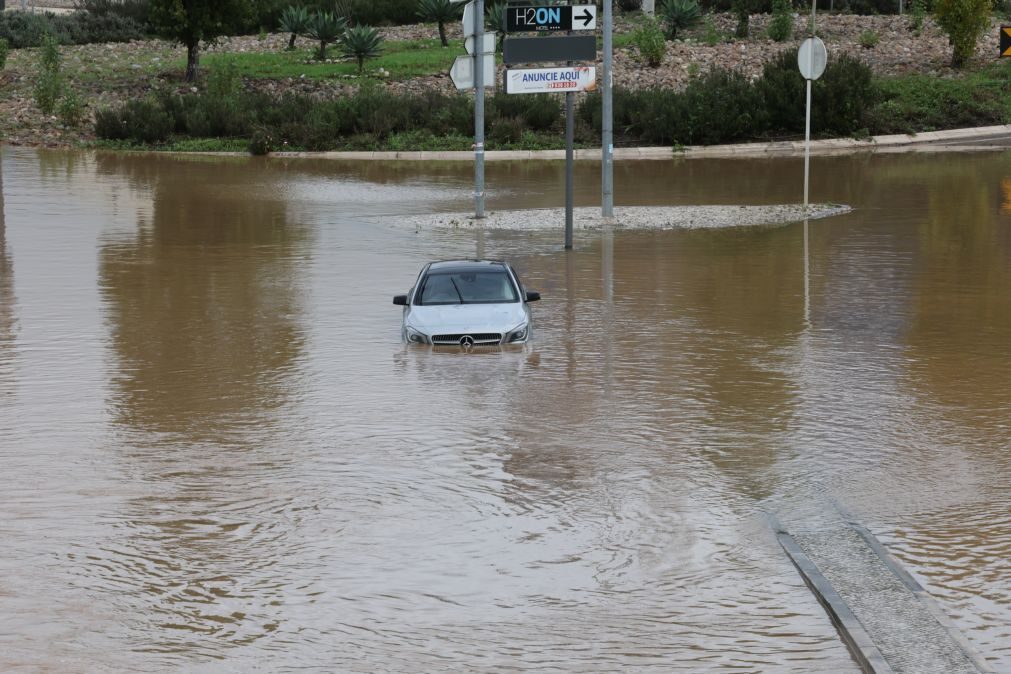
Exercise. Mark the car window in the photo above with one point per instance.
(468, 288)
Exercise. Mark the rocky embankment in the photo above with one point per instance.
(108, 74)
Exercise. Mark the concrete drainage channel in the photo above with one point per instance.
(886, 619)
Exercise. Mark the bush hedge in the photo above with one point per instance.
(718, 107)
(724, 107)
(22, 29)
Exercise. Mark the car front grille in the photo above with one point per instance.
(478, 337)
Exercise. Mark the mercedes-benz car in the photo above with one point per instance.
(469, 303)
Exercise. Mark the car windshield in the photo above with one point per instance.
(480, 287)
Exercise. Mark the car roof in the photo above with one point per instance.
(455, 266)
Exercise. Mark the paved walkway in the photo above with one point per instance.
(982, 138)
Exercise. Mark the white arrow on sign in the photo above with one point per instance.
(489, 43)
(462, 72)
(584, 17)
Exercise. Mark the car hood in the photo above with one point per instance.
(464, 318)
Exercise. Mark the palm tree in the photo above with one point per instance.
(362, 42)
(294, 20)
(440, 11)
(326, 28)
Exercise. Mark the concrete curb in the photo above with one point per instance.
(852, 632)
(743, 150)
(895, 566)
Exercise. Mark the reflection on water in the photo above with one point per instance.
(7, 320)
(204, 304)
(220, 455)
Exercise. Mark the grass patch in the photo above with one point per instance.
(918, 103)
(175, 145)
(403, 60)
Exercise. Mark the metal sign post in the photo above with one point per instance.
(570, 79)
(569, 186)
(607, 123)
(479, 58)
(812, 58)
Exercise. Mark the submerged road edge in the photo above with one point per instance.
(856, 639)
(895, 566)
(948, 140)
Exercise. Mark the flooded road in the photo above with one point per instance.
(218, 456)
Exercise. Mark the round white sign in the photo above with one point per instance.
(812, 58)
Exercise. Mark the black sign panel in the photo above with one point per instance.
(527, 18)
(549, 49)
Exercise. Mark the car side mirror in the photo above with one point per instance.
(533, 296)
(400, 300)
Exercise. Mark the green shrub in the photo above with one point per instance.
(23, 29)
(919, 103)
(538, 113)
(783, 93)
(71, 108)
(868, 39)
(140, 121)
(224, 80)
(657, 116)
(840, 98)
(722, 106)
(5, 50)
(261, 142)
(711, 35)
(781, 25)
(650, 41)
(629, 5)
(385, 12)
(49, 78)
(83, 28)
(917, 15)
(506, 130)
(47, 92)
(135, 10)
(362, 42)
(679, 15)
(964, 21)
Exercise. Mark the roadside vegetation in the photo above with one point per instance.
(255, 99)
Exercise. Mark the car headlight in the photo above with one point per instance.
(415, 336)
(519, 334)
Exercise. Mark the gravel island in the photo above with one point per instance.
(628, 217)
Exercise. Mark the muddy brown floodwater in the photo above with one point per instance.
(217, 455)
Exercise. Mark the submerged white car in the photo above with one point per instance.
(467, 302)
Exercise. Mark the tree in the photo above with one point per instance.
(294, 20)
(362, 42)
(964, 21)
(743, 9)
(326, 28)
(191, 22)
(440, 11)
